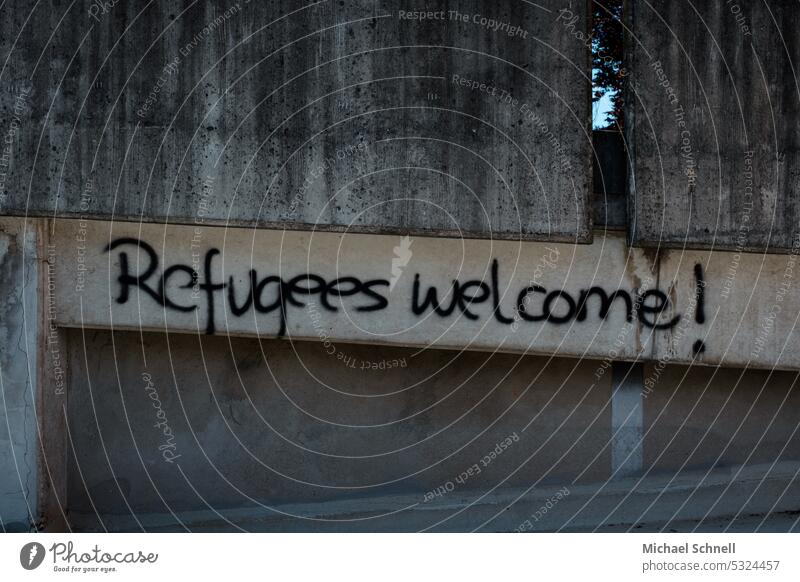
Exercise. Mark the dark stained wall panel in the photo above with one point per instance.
(338, 114)
(713, 123)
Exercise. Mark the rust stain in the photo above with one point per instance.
(653, 256)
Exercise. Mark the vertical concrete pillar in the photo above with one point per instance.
(19, 348)
(627, 419)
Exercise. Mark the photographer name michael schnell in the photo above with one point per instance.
(685, 548)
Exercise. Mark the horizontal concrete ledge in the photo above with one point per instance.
(642, 358)
(91, 291)
(576, 237)
(664, 502)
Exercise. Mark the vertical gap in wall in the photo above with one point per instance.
(629, 113)
(608, 77)
(627, 419)
(608, 72)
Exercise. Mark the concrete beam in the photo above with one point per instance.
(603, 301)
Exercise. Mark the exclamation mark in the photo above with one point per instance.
(700, 308)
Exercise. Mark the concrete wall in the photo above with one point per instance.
(351, 115)
(277, 423)
(729, 418)
(19, 373)
(337, 114)
(279, 436)
(166, 431)
(712, 114)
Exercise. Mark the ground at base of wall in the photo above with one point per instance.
(788, 522)
(735, 498)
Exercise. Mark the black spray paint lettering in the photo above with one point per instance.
(461, 296)
(699, 346)
(283, 293)
(273, 293)
(556, 307)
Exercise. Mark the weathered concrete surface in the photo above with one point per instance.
(766, 495)
(610, 170)
(712, 122)
(724, 418)
(175, 423)
(19, 345)
(338, 114)
(720, 308)
(279, 436)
